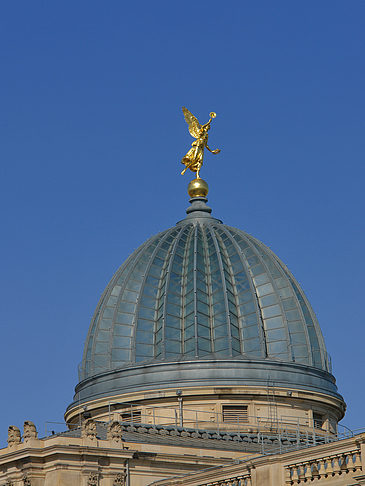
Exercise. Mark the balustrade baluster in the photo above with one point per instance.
(356, 461)
(301, 475)
(345, 459)
(307, 471)
(288, 475)
(329, 468)
(315, 471)
(322, 468)
(336, 465)
(295, 474)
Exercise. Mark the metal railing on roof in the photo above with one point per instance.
(285, 434)
(303, 429)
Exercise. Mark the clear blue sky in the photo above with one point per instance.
(91, 138)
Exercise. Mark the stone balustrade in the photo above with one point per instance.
(340, 463)
(241, 480)
(324, 467)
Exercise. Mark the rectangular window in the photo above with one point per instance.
(235, 414)
(318, 420)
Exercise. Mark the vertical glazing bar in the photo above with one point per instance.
(184, 279)
(208, 285)
(170, 258)
(195, 300)
(220, 263)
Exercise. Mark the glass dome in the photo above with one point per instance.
(202, 290)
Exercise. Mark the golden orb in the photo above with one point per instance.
(198, 188)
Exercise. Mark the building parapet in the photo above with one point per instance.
(343, 461)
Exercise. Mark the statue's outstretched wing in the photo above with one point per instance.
(194, 125)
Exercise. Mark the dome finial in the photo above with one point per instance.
(198, 188)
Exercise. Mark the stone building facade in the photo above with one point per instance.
(204, 365)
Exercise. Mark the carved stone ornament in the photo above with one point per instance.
(14, 436)
(30, 431)
(119, 480)
(89, 430)
(9, 483)
(93, 479)
(115, 432)
(26, 480)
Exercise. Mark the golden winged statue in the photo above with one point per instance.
(193, 160)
